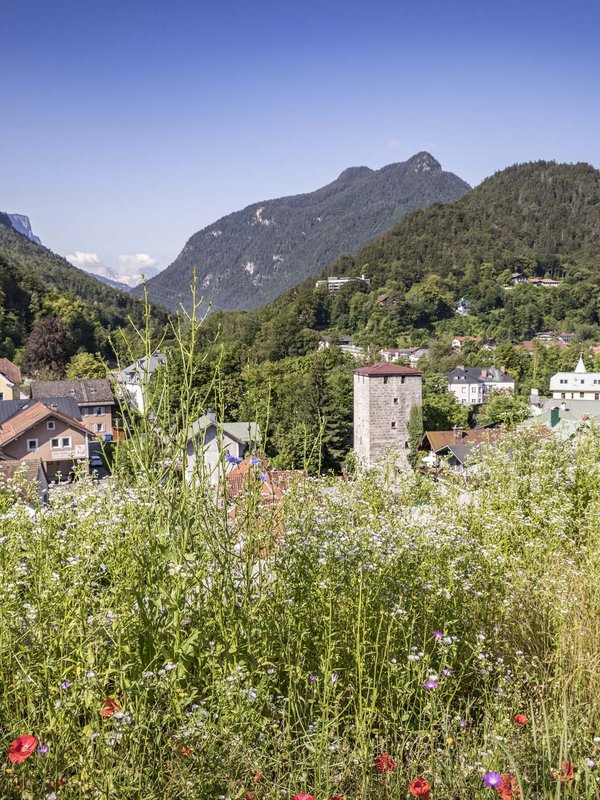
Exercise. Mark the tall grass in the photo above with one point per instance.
(247, 659)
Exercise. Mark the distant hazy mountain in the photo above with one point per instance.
(248, 258)
(122, 287)
(22, 225)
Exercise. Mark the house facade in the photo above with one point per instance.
(94, 399)
(384, 395)
(577, 385)
(213, 448)
(135, 379)
(471, 385)
(59, 441)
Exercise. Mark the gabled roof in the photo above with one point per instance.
(10, 370)
(66, 405)
(34, 413)
(474, 375)
(30, 466)
(438, 440)
(383, 370)
(242, 432)
(142, 370)
(87, 391)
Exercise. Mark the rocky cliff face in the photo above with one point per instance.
(22, 225)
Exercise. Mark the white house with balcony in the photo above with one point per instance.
(577, 385)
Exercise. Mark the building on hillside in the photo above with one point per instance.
(136, 379)
(544, 282)
(384, 395)
(463, 307)
(221, 444)
(409, 355)
(10, 380)
(577, 385)
(460, 341)
(66, 405)
(471, 385)
(94, 398)
(335, 283)
(40, 430)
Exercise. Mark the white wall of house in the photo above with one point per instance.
(214, 449)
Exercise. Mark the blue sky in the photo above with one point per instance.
(127, 126)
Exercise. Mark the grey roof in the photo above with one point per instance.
(66, 405)
(461, 451)
(241, 431)
(142, 370)
(473, 375)
(575, 409)
(86, 391)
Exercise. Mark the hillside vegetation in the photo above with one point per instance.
(35, 282)
(248, 258)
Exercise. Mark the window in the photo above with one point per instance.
(385, 380)
(563, 396)
(99, 411)
(55, 443)
(393, 426)
(395, 401)
(402, 379)
(85, 411)
(1, 395)
(32, 444)
(597, 396)
(100, 427)
(65, 441)
(50, 425)
(581, 394)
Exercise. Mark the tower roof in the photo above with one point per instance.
(386, 370)
(580, 365)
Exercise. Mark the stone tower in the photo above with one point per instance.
(383, 397)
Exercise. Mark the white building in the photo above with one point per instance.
(577, 385)
(137, 376)
(471, 385)
(334, 283)
(221, 444)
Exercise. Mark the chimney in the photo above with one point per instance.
(458, 433)
(554, 417)
(563, 406)
(484, 373)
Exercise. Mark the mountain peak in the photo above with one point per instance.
(424, 162)
(21, 223)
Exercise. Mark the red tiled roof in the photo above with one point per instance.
(385, 370)
(10, 370)
(30, 416)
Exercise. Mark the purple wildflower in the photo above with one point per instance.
(263, 476)
(255, 461)
(437, 635)
(65, 685)
(42, 749)
(431, 684)
(492, 779)
(231, 459)
(463, 724)
(446, 673)
(312, 678)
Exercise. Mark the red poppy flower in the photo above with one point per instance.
(258, 777)
(59, 783)
(385, 763)
(521, 719)
(420, 788)
(250, 796)
(185, 751)
(565, 773)
(303, 797)
(108, 707)
(22, 747)
(508, 788)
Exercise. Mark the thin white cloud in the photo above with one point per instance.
(394, 144)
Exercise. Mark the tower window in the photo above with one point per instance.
(395, 401)
(385, 379)
(393, 426)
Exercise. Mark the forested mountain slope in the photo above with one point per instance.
(250, 257)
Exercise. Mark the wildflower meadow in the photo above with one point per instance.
(388, 636)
